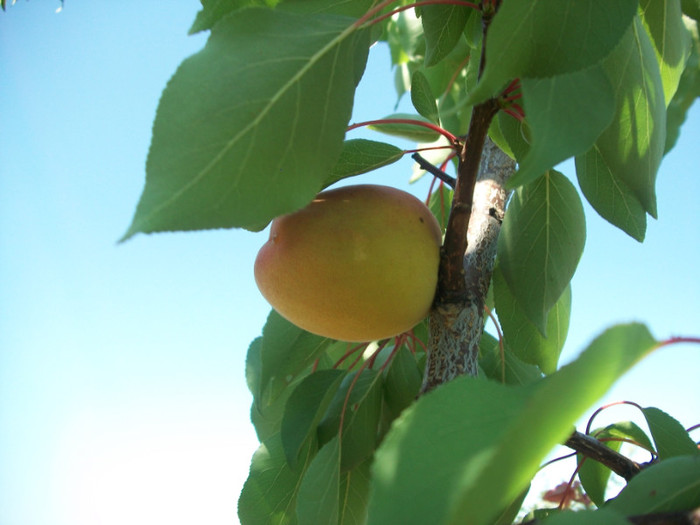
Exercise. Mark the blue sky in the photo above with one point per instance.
(122, 393)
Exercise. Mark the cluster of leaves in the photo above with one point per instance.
(254, 125)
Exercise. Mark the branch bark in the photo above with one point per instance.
(457, 318)
(595, 450)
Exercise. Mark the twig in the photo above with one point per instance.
(434, 170)
(596, 450)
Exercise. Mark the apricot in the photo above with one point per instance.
(359, 263)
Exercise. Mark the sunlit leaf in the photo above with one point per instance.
(541, 38)
(465, 429)
(540, 244)
(566, 114)
(443, 26)
(245, 130)
(610, 196)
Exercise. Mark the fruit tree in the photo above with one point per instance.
(396, 406)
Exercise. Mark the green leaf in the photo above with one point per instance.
(540, 244)
(402, 381)
(355, 9)
(443, 26)
(440, 203)
(516, 135)
(523, 337)
(269, 494)
(354, 495)
(542, 38)
(667, 486)
(422, 97)
(691, 8)
(304, 409)
(633, 145)
(507, 517)
(245, 130)
(585, 517)
(214, 10)
(516, 371)
(688, 91)
(664, 24)
(361, 418)
(670, 437)
(360, 156)
(610, 196)
(317, 501)
(450, 457)
(286, 351)
(409, 131)
(552, 104)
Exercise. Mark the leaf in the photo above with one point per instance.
(422, 97)
(523, 337)
(354, 495)
(670, 437)
(450, 458)
(543, 38)
(663, 22)
(246, 129)
(671, 485)
(286, 351)
(443, 26)
(610, 196)
(317, 501)
(360, 156)
(691, 8)
(269, 494)
(632, 146)
(688, 91)
(214, 10)
(402, 381)
(516, 371)
(361, 418)
(304, 409)
(409, 131)
(440, 203)
(540, 244)
(566, 114)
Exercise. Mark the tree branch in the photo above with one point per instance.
(594, 449)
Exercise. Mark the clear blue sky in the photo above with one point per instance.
(122, 393)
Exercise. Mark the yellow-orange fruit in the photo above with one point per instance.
(359, 263)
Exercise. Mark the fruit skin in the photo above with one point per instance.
(359, 263)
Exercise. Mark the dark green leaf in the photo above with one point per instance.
(670, 437)
(566, 114)
(422, 97)
(632, 146)
(286, 351)
(517, 135)
(354, 8)
(360, 156)
(523, 337)
(450, 457)
(671, 485)
(664, 23)
(245, 130)
(409, 131)
(540, 244)
(610, 196)
(543, 38)
(443, 26)
(354, 495)
(402, 381)
(317, 501)
(362, 410)
(440, 203)
(304, 409)
(508, 515)
(691, 8)
(270, 492)
(516, 372)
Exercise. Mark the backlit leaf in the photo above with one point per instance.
(610, 196)
(423, 98)
(360, 156)
(319, 492)
(443, 26)
(542, 38)
(670, 438)
(540, 244)
(410, 131)
(245, 130)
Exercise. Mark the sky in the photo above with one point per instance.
(122, 389)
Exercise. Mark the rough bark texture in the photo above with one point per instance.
(456, 327)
